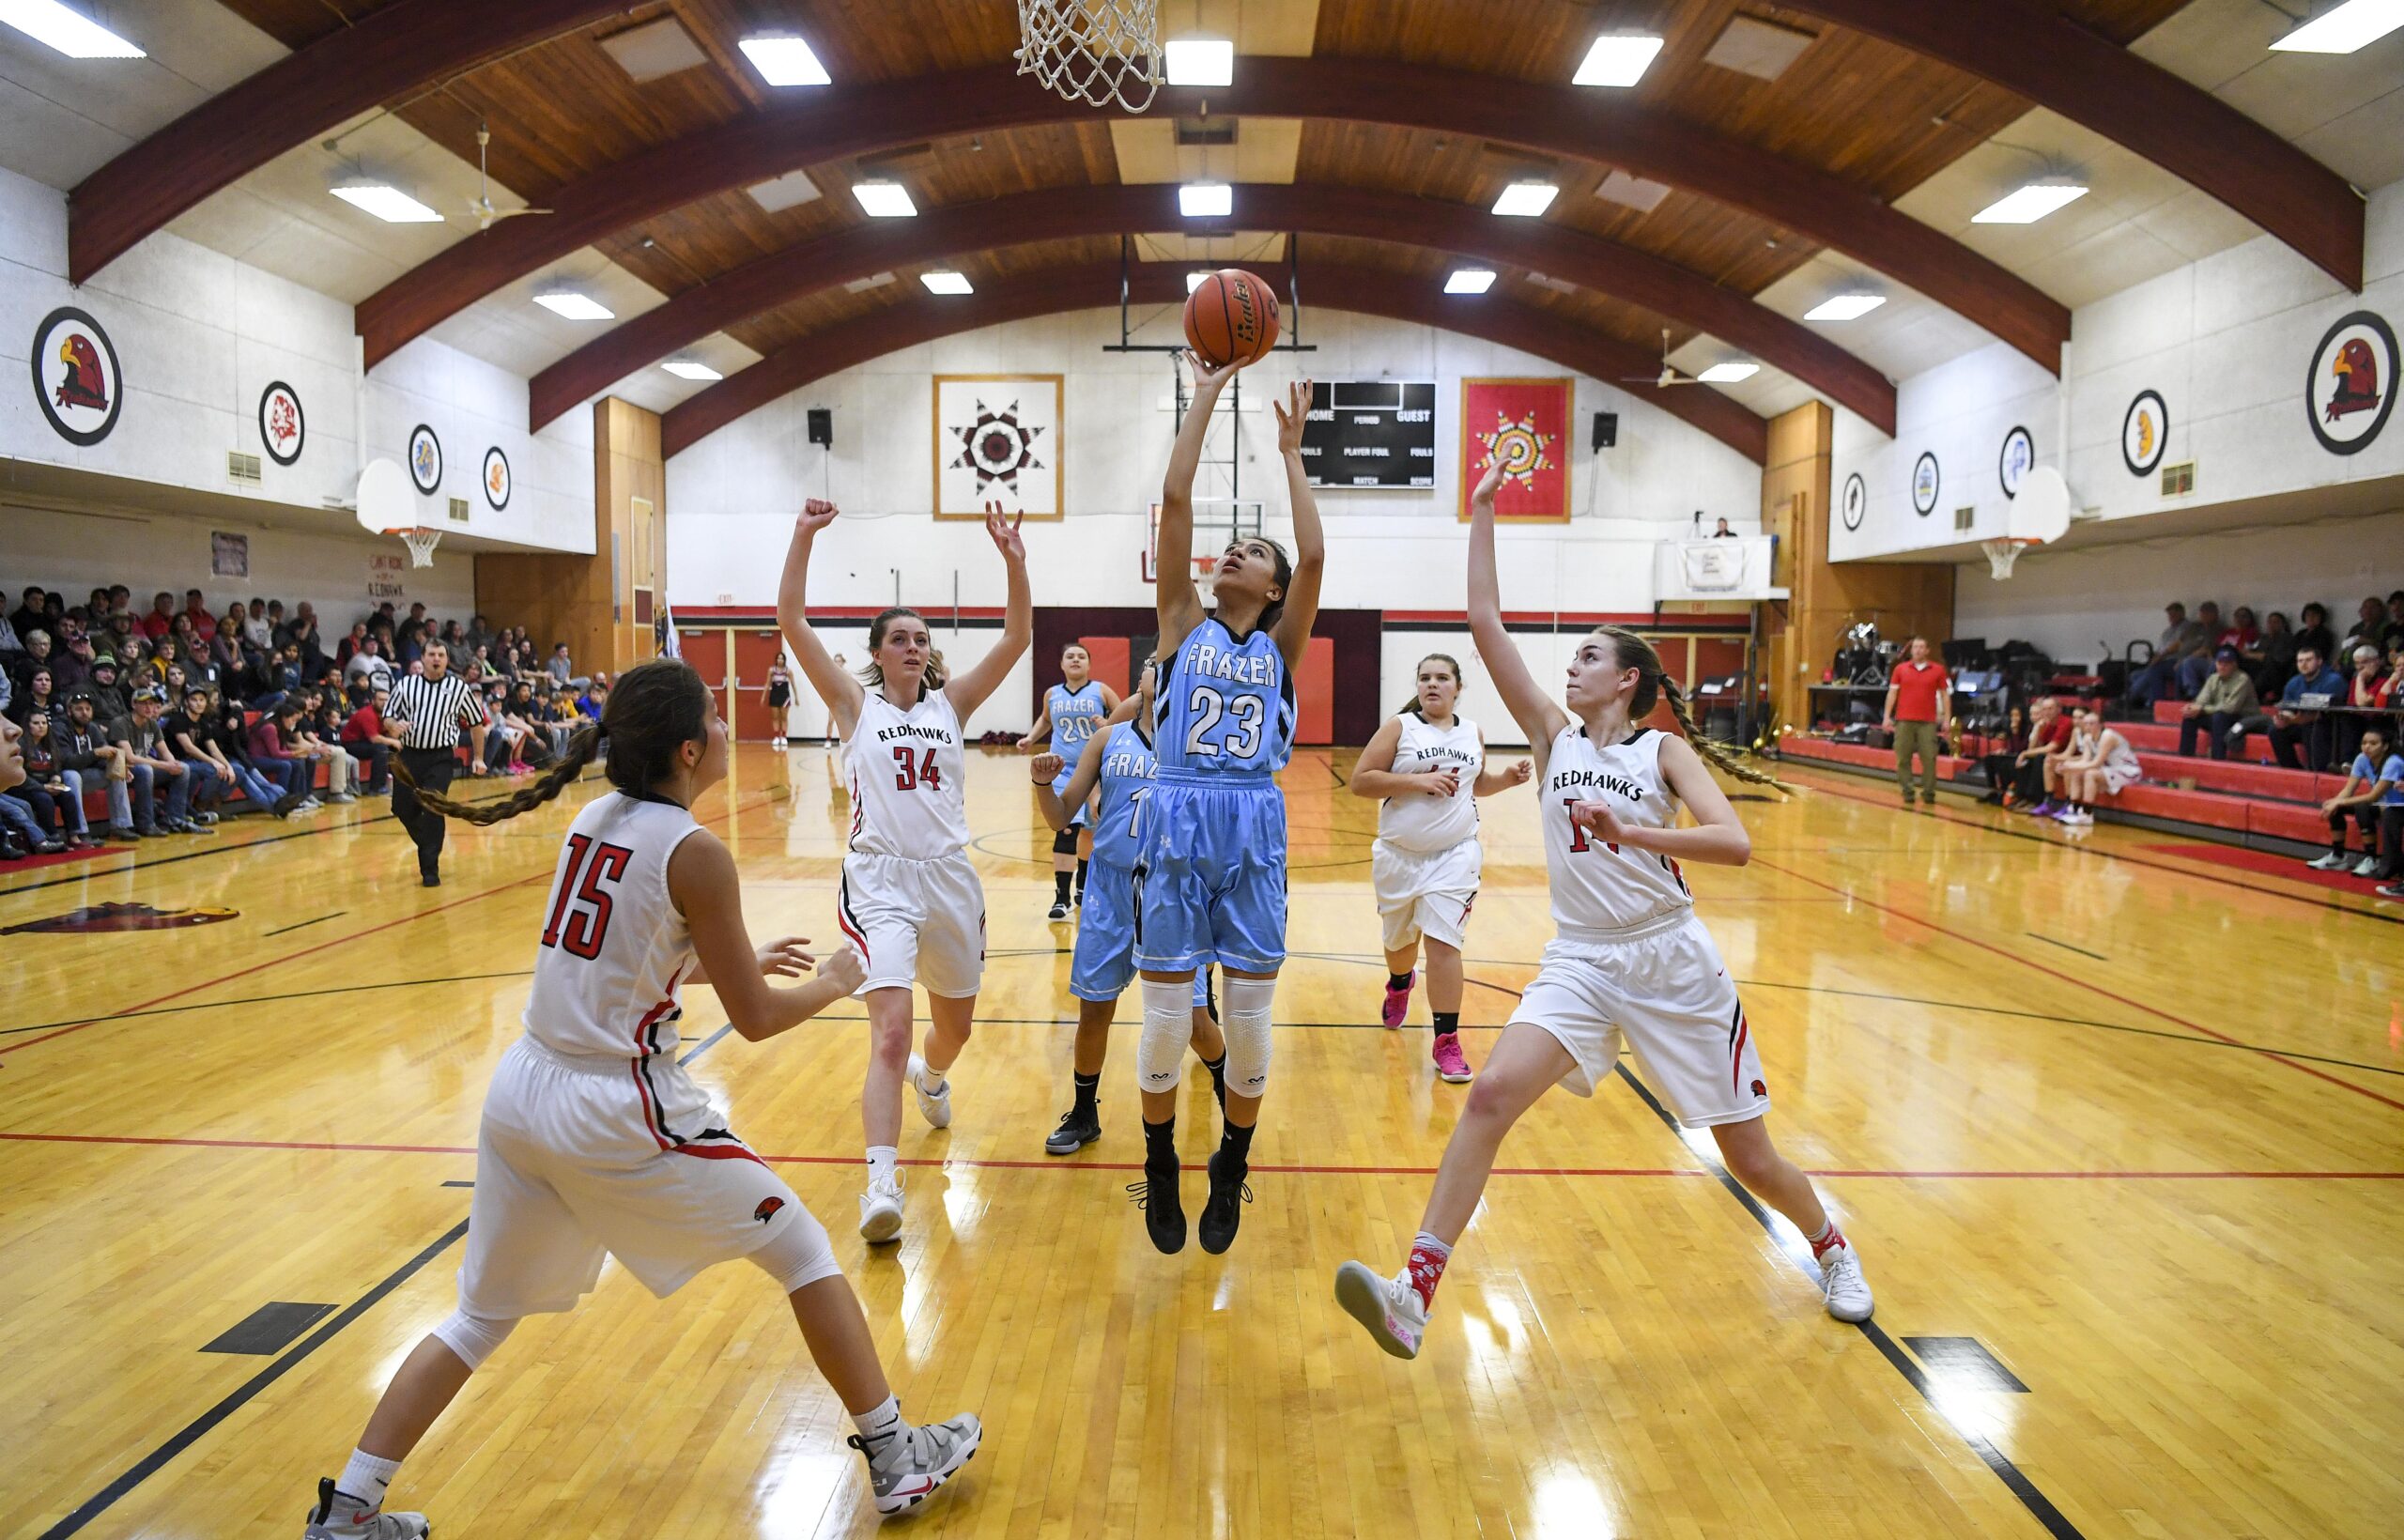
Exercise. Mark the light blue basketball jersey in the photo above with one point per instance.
(1227, 707)
(1075, 715)
(1127, 766)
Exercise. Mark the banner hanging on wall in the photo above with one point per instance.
(229, 555)
(997, 439)
(1525, 424)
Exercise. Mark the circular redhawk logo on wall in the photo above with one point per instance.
(75, 376)
(2351, 386)
(281, 428)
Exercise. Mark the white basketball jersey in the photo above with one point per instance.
(1424, 823)
(1600, 886)
(905, 770)
(613, 945)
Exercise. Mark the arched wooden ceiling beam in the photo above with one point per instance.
(2034, 52)
(846, 121)
(387, 54)
(1369, 291)
(1059, 213)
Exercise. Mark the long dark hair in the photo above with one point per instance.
(655, 709)
(1410, 702)
(873, 675)
(1654, 683)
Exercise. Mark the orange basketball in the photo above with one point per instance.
(1231, 318)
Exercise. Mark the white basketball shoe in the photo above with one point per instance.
(935, 1105)
(1388, 1307)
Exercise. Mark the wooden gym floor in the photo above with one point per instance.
(2120, 1126)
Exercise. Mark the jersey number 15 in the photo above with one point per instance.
(580, 916)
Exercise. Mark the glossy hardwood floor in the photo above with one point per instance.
(2131, 1123)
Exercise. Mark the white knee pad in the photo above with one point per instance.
(1246, 1004)
(797, 1255)
(1168, 1026)
(472, 1337)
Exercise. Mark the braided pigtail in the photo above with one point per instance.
(581, 751)
(1714, 753)
(1653, 683)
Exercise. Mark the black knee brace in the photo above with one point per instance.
(1065, 842)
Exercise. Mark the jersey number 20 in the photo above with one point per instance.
(1207, 706)
(581, 918)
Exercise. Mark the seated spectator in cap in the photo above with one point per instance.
(367, 734)
(2225, 698)
(65, 786)
(86, 747)
(2293, 723)
(72, 665)
(108, 691)
(2374, 783)
(146, 738)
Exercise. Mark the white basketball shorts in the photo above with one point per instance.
(915, 922)
(1663, 987)
(1425, 894)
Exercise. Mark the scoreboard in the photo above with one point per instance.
(1371, 433)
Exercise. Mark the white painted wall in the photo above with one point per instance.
(199, 335)
(732, 497)
(2226, 341)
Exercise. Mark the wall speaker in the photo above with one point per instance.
(1606, 429)
(821, 426)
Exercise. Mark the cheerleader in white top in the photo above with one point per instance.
(909, 900)
(1427, 767)
(1630, 959)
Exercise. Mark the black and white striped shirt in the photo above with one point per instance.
(435, 709)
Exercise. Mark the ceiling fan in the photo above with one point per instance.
(1669, 375)
(480, 208)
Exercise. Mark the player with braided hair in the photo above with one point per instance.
(1630, 958)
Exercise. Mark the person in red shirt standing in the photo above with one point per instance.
(1920, 708)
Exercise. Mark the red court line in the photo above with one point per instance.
(937, 1162)
(2071, 978)
(322, 946)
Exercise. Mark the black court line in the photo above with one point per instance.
(2066, 946)
(266, 999)
(305, 924)
(269, 1329)
(149, 1465)
(2014, 1479)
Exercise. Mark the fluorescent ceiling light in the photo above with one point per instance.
(1206, 200)
(785, 61)
(874, 280)
(1468, 281)
(71, 33)
(947, 283)
(570, 305)
(1845, 307)
(885, 200)
(691, 369)
(386, 202)
(1526, 200)
(1201, 61)
(790, 190)
(1617, 61)
(2351, 25)
(1194, 280)
(1728, 374)
(1641, 193)
(2029, 204)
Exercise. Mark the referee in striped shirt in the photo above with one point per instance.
(435, 707)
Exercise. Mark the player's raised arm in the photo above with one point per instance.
(1293, 629)
(837, 687)
(1539, 716)
(970, 689)
(1180, 607)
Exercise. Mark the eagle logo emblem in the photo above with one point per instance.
(93, 919)
(767, 1209)
(83, 383)
(2350, 386)
(75, 376)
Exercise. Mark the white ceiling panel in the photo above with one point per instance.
(61, 119)
(508, 329)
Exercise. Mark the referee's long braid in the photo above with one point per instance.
(655, 709)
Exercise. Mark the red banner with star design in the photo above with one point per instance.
(1525, 423)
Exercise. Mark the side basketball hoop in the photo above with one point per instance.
(1099, 51)
(2039, 514)
(2002, 553)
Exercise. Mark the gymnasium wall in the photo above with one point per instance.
(200, 336)
(731, 496)
(2226, 341)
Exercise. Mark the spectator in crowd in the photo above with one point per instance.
(1723, 531)
(37, 656)
(2099, 765)
(2147, 684)
(2312, 630)
(108, 694)
(317, 741)
(161, 622)
(38, 694)
(524, 713)
(43, 768)
(2000, 766)
(596, 695)
(252, 623)
(2393, 632)
(2242, 632)
(562, 670)
(85, 748)
(143, 735)
(1918, 712)
(565, 718)
(367, 734)
(9, 643)
(72, 667)
(32, 614)
(2200, 640)
(369, 664)
(2391, 689)
(2049, 737)
(192, 733)
(2369, 629)
(2295, 723)
(2225, 699)
(28, 820)
(2375, 782)
(347, 648)
(270, 742)
(2362, 689)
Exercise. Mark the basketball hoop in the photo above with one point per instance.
(1206, 577)
(1093, 51)
(420, 542)
(2002, 553)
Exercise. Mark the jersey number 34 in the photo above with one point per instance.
(912, 774)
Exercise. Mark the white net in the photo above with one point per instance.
(1093, 51)
(421, 543)
(2001, 554)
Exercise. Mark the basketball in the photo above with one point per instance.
(1231, 318)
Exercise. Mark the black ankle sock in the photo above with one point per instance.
(1160, 1142)
(1081, 873)
(1218, 1067)
(1059, 887)
(1087, 1087)
(1398, 980)
(1237, 1141)
(1447, 1021)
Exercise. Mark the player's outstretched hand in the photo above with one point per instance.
(783, 958)
(1291, 413)
(1208, 375)
(1518, 774)
(1046, 768)
(1598, 821)
(1004, 532)
(1487, 484)
(844, 970)
(815, 515)
(1444, 782)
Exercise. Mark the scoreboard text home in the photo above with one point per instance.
(1371, 433)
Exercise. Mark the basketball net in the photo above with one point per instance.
(421, 543)
(1206, 577)
(2001, 554)
(1097, 51)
